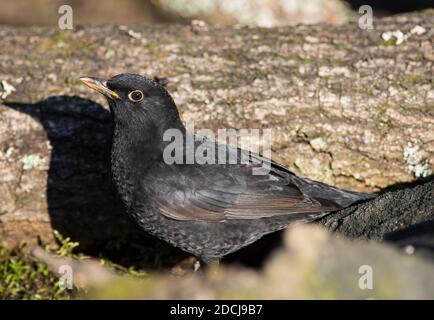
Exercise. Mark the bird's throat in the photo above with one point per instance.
(133, 153)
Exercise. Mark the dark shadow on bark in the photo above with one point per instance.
(406, 185)
(257, 254)
(82, 202)
(420, 237)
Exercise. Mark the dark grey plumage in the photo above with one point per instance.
(208, 210)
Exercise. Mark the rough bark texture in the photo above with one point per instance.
(404, 217)
(345, 106)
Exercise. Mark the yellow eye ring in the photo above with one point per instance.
(135, 96)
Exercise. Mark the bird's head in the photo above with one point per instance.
(136, 101)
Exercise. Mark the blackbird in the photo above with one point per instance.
(208, 210)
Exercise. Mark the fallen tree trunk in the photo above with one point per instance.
(404, 216)
(346, 107)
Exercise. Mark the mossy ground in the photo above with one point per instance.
(21, 277)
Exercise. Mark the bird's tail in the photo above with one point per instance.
(342, 197)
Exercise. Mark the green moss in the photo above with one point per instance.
(302, 136)
(408, 81)
(67, 44)
(151, 46)
(22, 278)
(365, 90)
(122, 289)
(131, 270)
(232, 103)
(384, 122)
(344, 47)
(384, 107)
(66, 245)
(390, 42)
(60, 38)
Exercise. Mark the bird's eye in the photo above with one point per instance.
(135, 95)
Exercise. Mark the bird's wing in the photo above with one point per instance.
(221, 192)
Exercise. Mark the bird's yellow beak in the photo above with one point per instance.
(99, 85)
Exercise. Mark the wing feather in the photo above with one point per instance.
(214, 193)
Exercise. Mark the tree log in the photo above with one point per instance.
(346, 107)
